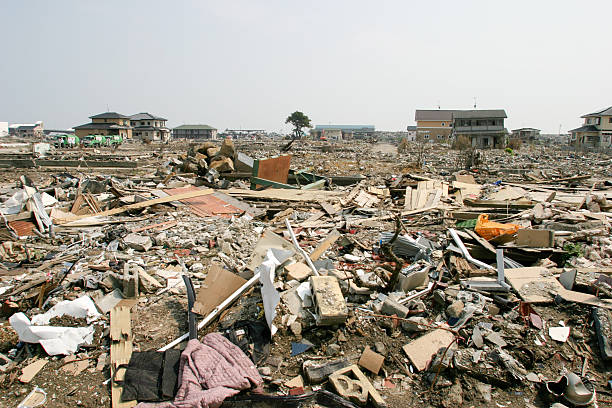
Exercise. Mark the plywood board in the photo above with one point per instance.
(218, 286)
(273, 169)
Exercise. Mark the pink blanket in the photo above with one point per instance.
(209, 372)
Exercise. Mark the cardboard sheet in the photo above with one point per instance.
(218, 286)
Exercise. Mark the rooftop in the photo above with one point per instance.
(433, 114)
(195, 127)
(479, 113)
(101, 126)
(344, 127)
(525, 129)
(586, 128)
(109, 115)
(603, 112)
(146, 116)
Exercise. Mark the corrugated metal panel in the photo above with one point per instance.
(206, 205)
(22, 228)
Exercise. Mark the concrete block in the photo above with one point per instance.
(391, 307)
(371, 361)
(298, 271)
(328, 300)
(352, 384)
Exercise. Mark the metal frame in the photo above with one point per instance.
(499, 285)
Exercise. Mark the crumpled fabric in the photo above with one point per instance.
(211, 371)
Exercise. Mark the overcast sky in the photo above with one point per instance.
(249, 64)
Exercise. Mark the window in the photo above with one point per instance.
(148, 123)
(425, 136)
(610, 119)
(443, 124)
(440, 136)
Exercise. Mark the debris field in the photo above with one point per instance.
(335, 275)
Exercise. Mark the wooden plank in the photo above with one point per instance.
(481, 241)
(408, 199)
(324, 245)
(120, 351)
(144, 204)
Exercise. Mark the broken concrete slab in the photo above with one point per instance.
(422, 350)
(138, 242)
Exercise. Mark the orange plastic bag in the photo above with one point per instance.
(491, 229)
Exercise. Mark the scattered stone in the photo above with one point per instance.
(138, 242)
(495, 338)
(455, 309)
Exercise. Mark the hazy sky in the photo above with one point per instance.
(248, 64)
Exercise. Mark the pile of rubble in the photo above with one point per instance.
(448, 289)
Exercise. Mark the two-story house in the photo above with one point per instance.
(484, 128)
(149, 127)
(525, 134)
(433, 125)
(596, 131)
(197, 132)
(107, 123)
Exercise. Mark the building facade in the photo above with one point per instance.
(484, 128)
(433, 125)
(347, 131)
(27, 130)
(411, 133)
(149, 127)
(194, 132)
(596, 131)
(527, 135)
(107, 123)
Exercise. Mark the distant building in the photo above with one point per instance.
(484, 128)
(525, 134)
(411, 133)
(149, 127)
(194, 132)
(433, 125)
(107, 123)
(27, 130)
(243, 134)
(4, 129)
(348, 131)
(596, 132)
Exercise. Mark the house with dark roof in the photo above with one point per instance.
(433, 125)
(484, 127)
(596, 131)
(149, 127)
(107, 123)
(197, 132)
